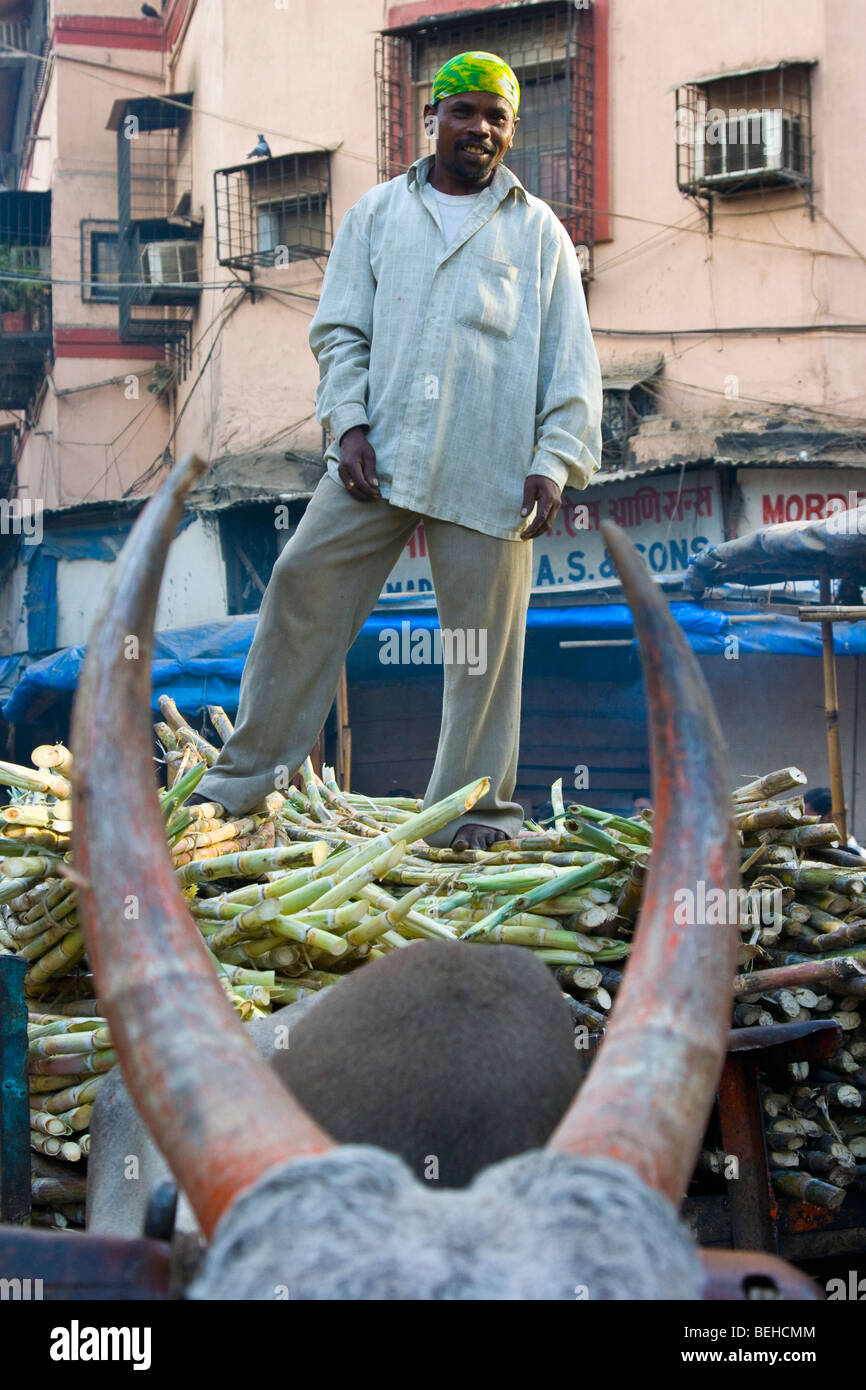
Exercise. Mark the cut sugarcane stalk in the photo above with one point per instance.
(772, 784)
(53, 1125)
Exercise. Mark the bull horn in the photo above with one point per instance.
(215, 1109)
(648, 1096)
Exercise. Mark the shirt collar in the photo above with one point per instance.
(502, 182)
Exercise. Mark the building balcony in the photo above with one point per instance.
(159, 256)
(25, 295)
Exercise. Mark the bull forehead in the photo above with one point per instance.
(356, 1224)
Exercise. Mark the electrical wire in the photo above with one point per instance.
(658, 386)
(46, 280)
(160, 461)
(371, 159)
(735, 331)
(149, 407)
(280, 294)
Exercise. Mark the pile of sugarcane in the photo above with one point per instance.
(808, 960)
(316, 881)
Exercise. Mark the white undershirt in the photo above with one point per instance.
(453, 209)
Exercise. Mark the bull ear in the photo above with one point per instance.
(649, 1093)
(214, 1108)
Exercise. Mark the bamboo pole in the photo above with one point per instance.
(832, 612)
(344, 733)
(831, 712)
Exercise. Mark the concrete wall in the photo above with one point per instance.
(767, 263)
(13, 615)
(93, 444)
(193, 588)
(304, 74)
(185, 599)
(262, 379)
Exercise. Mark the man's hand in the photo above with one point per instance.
(358, 466)
(544, 495)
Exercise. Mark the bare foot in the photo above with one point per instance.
(476, 837)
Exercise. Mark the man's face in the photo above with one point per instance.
(475, 131)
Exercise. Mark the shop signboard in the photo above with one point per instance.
(668, 516)
(773, 495)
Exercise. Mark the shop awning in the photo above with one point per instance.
(202, 665)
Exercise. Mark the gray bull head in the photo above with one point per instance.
(222, 1118)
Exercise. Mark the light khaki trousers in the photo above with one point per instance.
(323, 587)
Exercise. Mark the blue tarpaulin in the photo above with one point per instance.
(10, 668)
(202, 665)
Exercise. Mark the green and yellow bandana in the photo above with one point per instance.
(476, 71)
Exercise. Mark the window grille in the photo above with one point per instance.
(621, 414)
(100, 264)
(550, 48)
(272, 211)
(154, 184)
(743, 131)
(154, 166)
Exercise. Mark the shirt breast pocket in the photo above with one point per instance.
(493, 298)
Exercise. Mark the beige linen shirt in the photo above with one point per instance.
(472, 364)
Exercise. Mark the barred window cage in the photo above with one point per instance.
(622, 412)
(159, 278)
(747, 130)
(550, 48)
(272, 211)
(154, 165)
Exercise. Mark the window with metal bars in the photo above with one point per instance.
(622, 412)
(100, 251)
(157, 283)
(740, 131)
(25, 295)
(272, 211)
(550, 48)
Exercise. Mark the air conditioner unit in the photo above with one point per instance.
(747, 146)
(170, 262)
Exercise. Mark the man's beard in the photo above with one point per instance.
(471, 175)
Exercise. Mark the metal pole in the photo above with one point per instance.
(14, 1095)
(831, 713)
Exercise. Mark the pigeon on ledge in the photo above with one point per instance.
(150, 12)
(260, 151)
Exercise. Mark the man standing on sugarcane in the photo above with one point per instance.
(460, 385)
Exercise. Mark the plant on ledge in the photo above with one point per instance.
(22, 291)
